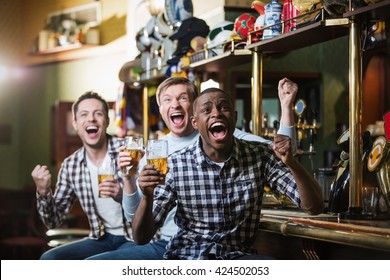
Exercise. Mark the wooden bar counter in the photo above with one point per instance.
(293, 234)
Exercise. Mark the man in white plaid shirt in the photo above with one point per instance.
(77, 179)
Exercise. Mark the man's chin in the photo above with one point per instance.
(176, 128)
(92, 139)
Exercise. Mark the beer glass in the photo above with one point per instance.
(105, 170)
(157, 154)
(135, 146)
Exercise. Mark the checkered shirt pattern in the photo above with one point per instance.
(218, 209)
(74, 182)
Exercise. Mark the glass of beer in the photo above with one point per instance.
(135, 146)
(105, 170)
(157, 154)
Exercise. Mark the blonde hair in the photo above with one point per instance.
(192, 90)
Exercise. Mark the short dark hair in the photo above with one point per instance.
(208, 90)
(89, 95)
(191, 87)
(214, 89)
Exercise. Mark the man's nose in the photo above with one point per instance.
(215, 112)
(175, 103)
(91, 117)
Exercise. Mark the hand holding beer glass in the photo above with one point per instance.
(105, 170)
(134, 145)
(157, 154)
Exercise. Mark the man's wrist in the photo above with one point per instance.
(43, 193)
(286, 130)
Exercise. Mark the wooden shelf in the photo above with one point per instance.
(60, 49)
(154, 78)
(75, 51)
(377, 11)
(312, 34)
(223, 61)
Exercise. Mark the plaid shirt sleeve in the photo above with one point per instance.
(165, 201)
(279, 177)
(53, 209)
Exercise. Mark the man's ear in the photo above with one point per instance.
(74, 124)
(194, 123)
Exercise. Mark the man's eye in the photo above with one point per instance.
(225, 107)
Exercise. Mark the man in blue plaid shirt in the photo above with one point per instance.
(217, 185)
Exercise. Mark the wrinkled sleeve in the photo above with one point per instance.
(53, 209)
(130, 204)
(279, 177)
(290, 132)
(164, 200)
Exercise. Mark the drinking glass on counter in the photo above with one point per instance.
(105, 170)
(157, 154)
(370, 201)
(135, 146)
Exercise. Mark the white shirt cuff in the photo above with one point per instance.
(286, 130)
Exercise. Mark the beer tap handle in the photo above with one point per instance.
(312, 137)
(276, 124)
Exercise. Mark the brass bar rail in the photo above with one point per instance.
(145, 101)
(355, 116)
(257, 89)
(351, 238)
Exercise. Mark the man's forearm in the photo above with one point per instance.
(309, 190)
(130, 204)
(143, 225)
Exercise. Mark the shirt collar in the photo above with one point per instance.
(202, 158)
(112, 150)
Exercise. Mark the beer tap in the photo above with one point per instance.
(266, 131)
(305, 130)
(264, 126)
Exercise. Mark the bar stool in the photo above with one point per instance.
(62, 236)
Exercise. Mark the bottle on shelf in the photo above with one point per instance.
(289, 12)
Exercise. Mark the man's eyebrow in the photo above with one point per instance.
(204, 103)
(86, 111)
